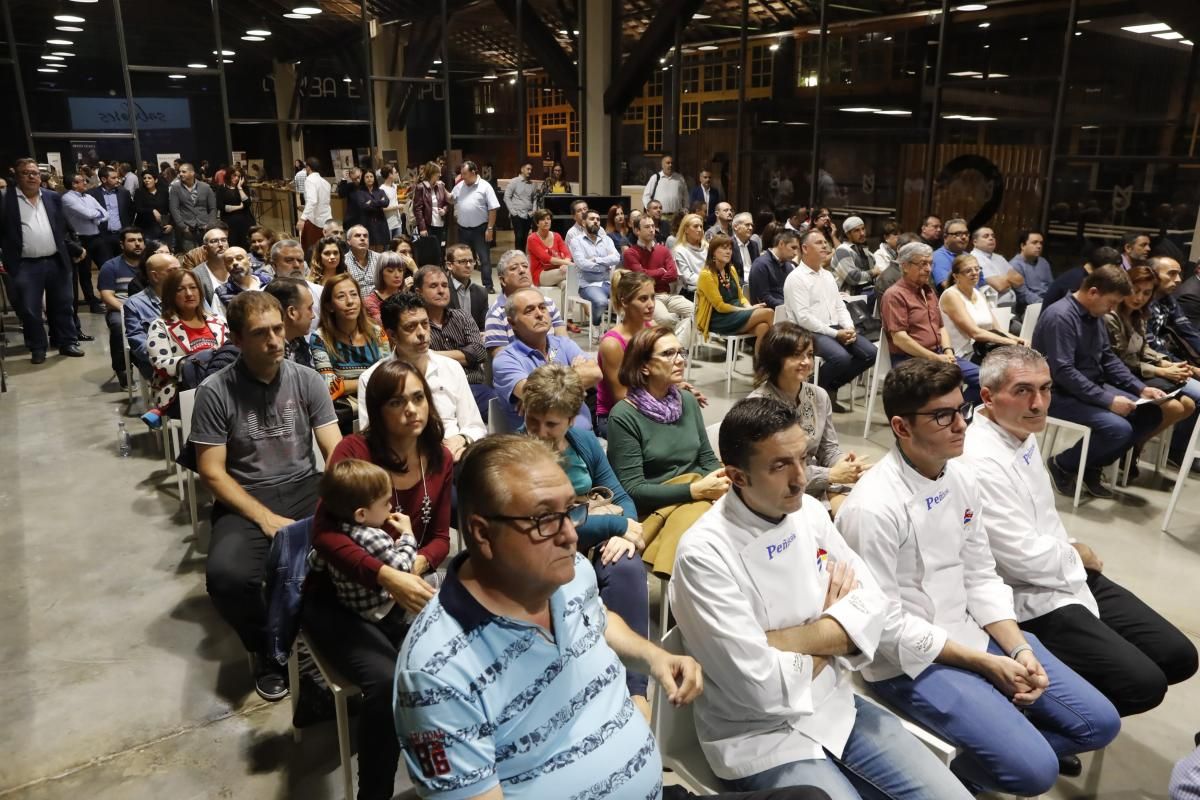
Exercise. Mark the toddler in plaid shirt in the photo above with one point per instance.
(358, 495)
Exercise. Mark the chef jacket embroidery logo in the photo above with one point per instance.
(1028, 454)
(822, 558)
(775, 549)
(968, 515)
(930, 502)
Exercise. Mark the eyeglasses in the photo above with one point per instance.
(222, 240)
(944, 417)
(466, 262)
(671, 355)
(548, 525)
(956, 233)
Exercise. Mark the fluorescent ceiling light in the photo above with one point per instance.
(795, 123)
(970, 73)
(969, 118)
(258, 32)
(437, 61)
(511, 81)
(67, 18)
(226, 60)
(1153, 27)
(1079, 33)
(68, 28)
(47, 69)
(887, 38)
(490, 76)
(859, 109)
(1024, 38)
(1169, 36)
(1088, 127)
(985, 24)
(224, 53)
(815, 31)
(972, 7)
(253, 39)
(1188, 42)
(707, 47)
(714, 119)
(85, 2)
(774, 47)
(177, 76)
(294, 15)
(894, 112)
(309, 10)
(198, 65)
(701, 16)
(490, 109)
(770, 122)
(53, 58)
(64, 42)
(62, 53)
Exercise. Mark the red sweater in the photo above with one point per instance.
(658, 263)
(539, 254)
(341, 551)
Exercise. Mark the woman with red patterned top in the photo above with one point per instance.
(549, 258)
(405, 439)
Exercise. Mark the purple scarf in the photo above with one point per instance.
(667, 411)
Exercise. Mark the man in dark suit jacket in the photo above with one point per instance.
(705, 192)
(35, 254)
(110, 192)
(1188, 296)
(460, 262)
(744, 238)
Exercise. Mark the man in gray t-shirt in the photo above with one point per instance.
(253, 428)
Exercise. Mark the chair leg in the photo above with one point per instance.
(664, 607)
(343, 731)
(730, 355)
(177, 448)
(294, 686)
(191, 495)
(1083, 454)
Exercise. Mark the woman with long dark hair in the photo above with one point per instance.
(405, 439)
(152, 207)
(234, 201)
(372, 200)
(721, 306)
(345, 345)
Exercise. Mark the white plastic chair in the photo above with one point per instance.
(1003, 318)
(1032, 312)
(1185, 467)
(131, 374)
(780, 313)
(1053, 424)
(572, 301)
(714, 432)
(498, 417)
(342, 690)
(883, 365)
(675, 731)
(732, 345)
(187, 404)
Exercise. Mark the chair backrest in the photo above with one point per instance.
(187, 404)
(675, 730)
(714, 435)
(498, 417)
(780, 313)
(883, 360)
(1003, 317)
(1032, 312)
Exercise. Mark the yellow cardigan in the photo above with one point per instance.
(708, 298)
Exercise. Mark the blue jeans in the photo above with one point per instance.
(1004, 748)
(970, 373)
(598, 297)
(880, 760)
(842, 363)
(1112, 434)
(475, 237)
(622, 586)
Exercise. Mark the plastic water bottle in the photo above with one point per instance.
(124, 445)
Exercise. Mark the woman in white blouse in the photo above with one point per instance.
(966, 314)
(690, 252)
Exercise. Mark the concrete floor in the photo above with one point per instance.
(121, 682)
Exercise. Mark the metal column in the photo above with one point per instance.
(368, 84)
(216, 15)
(133, 128)
(822, 51)
(522, 117)
(743, 199)
(446, 75)
(18, 79)
(934, 122)
(1059, 104)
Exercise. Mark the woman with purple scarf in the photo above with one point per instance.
(658, 446)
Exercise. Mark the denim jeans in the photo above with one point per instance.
(1112, 434)
(622, 587)
(881, 760)
(598, 297)
(475, 237)
(1003, 748)
(842, 363)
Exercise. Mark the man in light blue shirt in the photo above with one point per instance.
(594, 255)
(956, 244)
(1034, 268)
(532, 346)
(475, 205)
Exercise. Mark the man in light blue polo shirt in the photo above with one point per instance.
(511, 682)
(475, 205)
(533, 346)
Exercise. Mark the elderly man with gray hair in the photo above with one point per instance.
(514, 274)
(746, 244)
(533, 345)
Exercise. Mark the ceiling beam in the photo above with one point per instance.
(657, 40)
(544, 48)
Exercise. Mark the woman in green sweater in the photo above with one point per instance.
(658, 446)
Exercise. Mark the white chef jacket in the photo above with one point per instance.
(738, 576)
(925, 543)
(1027, 536)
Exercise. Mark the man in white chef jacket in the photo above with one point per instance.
(952, 656)
(1101, 630)
(779, 611)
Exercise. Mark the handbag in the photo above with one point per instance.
(599, 501)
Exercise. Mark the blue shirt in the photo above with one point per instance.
(767, 275)
(140, 310)
(1038, 278)
(943, 265)
(483, 700)
(514, 364)
(115, 275)
(83, 212)
(594, 260)
(497, 332)
(1080, 355)
(111, 206)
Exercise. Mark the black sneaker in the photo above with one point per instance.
(1070, 766)
(837, 407)
(270, 680)
(1096, 488)
(1064, 482)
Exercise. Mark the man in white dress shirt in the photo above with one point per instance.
(779, 611)
(997, 272)
(317, 211)
(813, 302)
(952, 656)
(406, 323)
(667, 187)
(475, 205)
(1101, 630)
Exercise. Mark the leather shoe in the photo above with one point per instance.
(39, 357)
(86, 337)
(97, 307)
(71, 350)
(1070, 766)
(837, 407)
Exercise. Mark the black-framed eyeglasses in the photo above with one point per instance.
(944, 417)
(548, 525)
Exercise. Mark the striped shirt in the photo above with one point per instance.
(483, 700)
(459, 332)
(497, 332)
